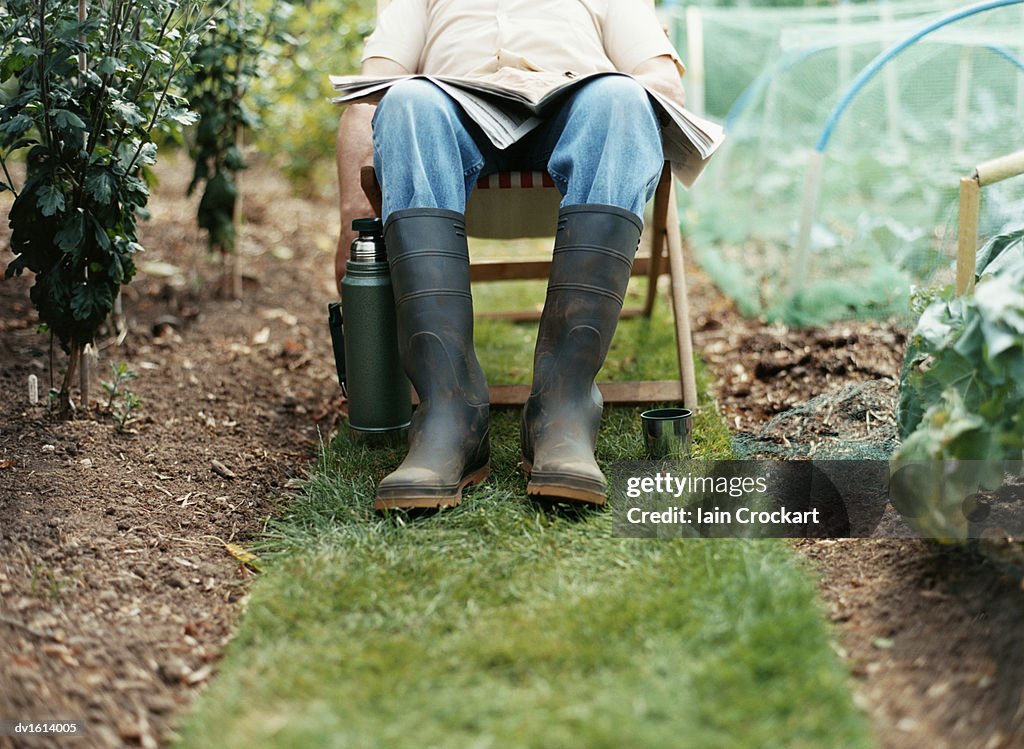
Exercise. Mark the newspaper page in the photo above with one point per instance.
(509, 104)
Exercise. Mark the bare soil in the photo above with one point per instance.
(120, 581)
(932, 634)
(118, 587)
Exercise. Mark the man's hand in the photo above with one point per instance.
(660, 74)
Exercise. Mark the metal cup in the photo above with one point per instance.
(667, 433)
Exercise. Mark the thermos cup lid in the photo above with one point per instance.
(367, 225)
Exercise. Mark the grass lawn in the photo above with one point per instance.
(499, 624)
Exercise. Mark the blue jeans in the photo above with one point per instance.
(602, 146)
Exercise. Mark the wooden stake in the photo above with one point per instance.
(967, 238)
(65, 405)
(1020, 78)
(808, 211)
(845, 63)
(236, 219)
(86, 373)
(117, 318)
(892, 85)
(695, 59)
(236, 216)
(963, 101)
(986, 173)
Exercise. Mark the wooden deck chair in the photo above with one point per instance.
(514, 205)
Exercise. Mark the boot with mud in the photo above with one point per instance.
(590, 268)
(448, 438)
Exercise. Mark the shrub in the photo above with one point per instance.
(229, 58)
(92, 86)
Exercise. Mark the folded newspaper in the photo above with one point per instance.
(509, 104)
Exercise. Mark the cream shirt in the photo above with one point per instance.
(480, 37)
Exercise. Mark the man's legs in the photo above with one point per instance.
(606, 157)
(603, 149)
(427, 161)
(426, 151)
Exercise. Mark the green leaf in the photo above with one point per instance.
(128, 112)
(183, 117)
(116, 271)
(997, 338)
(971, 340)
(938, 323)
(92, 79)
(66, 120)
(16, 266)
(960, 386)
(1001, 297)
(14, 128)
(22, 143)
(100, 186)
(72, 233)
(109, 65)
(100, 233)
(233, 159)
(131, 184)
(89, 300)
(1002, 247)
(50, 200)
(147, 154)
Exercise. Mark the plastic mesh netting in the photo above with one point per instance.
(881, 220)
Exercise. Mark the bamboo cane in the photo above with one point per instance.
(962, 102)
(996, 170)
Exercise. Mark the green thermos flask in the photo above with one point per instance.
(365, 340)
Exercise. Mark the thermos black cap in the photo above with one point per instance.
(368, 225)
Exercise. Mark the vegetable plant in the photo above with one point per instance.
(962, 389)
(89, 85)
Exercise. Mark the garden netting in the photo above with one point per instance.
(885, 210)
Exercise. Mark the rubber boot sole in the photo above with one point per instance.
(560, 487)
(431, 501)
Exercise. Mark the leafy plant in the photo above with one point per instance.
(975, 346)
(93, 84)
(121, 401)
(1001, 251)
(228, 59)
(962, 390)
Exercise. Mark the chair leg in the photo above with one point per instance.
(680, 304)
(659, 216)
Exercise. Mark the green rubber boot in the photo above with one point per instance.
(448, 438)
(590, 267)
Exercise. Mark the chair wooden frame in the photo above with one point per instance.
(661, 254)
